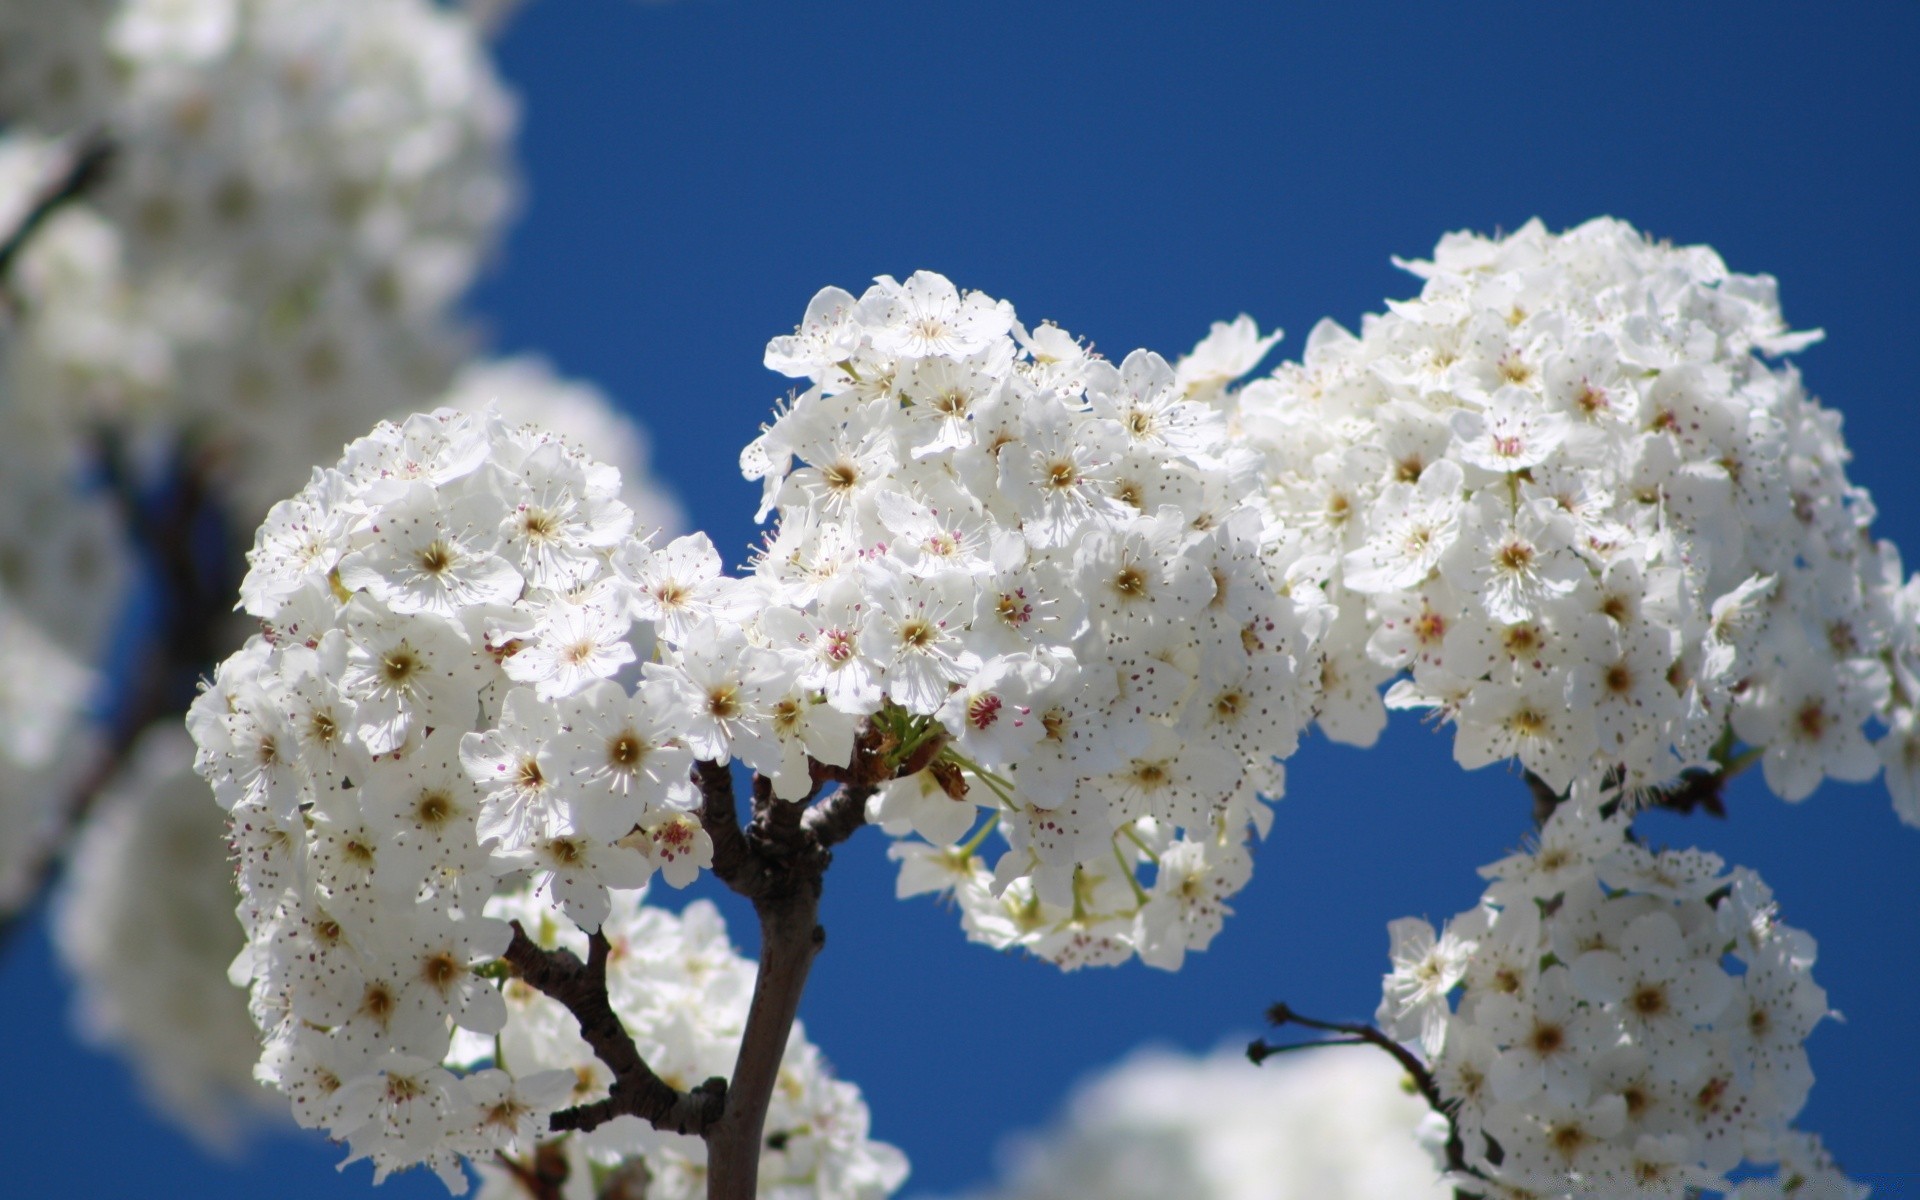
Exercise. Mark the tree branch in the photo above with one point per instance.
(779, 862)
(834, 820)
(581, 988)
(1280, 1015)
(734, 863)
(790, 937)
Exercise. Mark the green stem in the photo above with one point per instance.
(1126, 872)
(973, 843)
(1144, 849)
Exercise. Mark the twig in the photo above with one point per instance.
(581, 988)
(1698, 789)
(1280, 1015)
(1546, 801)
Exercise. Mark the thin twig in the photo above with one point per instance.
(733, 862)
(1281, 1015)
(1697, 789)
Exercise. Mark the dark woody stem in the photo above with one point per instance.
(778, 862)
(581, 988)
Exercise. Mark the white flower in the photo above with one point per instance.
(621, 750)
(433, 552)
(517, 763)
(1425, 971)
(575, 641)
(927, 315)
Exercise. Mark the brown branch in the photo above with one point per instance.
(779, 862)
(790, 937)
(543, 1175)
(581, 988)
(734, 862)
(629, 1181)
(1280, 1015)
(835, 819)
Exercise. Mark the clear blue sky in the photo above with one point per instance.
(1135, 170)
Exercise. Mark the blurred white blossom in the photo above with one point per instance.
(1332, 1124)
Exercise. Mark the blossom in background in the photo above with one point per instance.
(144, 922)
(1331, 1124)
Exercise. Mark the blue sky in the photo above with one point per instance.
(1134, 171)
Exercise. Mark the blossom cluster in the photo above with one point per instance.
(1569, 501)
(432, 713)
(682, 992)
(1627, 1023)
(294, 194)
(1050, 562)
(297, 193)
(294, 197)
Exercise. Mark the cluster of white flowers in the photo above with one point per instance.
(1628, 1023)
(144, 921)
(682, 992)
(297, 193)
(1328, 1125)
(990, 536)
(1563, 494)
(432, 713)
(526, 390)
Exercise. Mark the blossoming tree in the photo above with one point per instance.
(1015, 591)
(1051, 621)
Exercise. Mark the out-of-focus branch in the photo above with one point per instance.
(543, 1175)
(85, 168)
(1697, 789)
(172, 534)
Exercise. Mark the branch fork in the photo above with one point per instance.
(777, 861)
